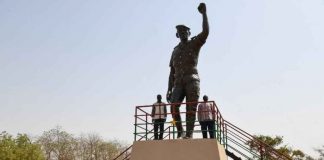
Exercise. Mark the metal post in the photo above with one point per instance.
(223, 132)
(146, 127)
(225, 136)
(220, 131)
(173, 131)
(169, 133)
(135, 125)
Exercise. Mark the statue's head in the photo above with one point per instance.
(183, 32)
(205, 98)
(159, 97)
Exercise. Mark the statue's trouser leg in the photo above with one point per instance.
(177, 97)
(192, 95)
(177, 118)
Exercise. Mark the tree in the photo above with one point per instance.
(320, 151)
(93, 147)
(111, 149)
(88, 146)
(276, 143)
(19, 148)
(58, 144)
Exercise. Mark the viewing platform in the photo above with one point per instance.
(230, 141)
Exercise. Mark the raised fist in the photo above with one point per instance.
(202, 8)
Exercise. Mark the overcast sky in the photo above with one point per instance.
(85, 64)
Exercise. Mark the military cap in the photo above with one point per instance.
(182, 27)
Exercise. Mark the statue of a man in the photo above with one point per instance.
(184, 80)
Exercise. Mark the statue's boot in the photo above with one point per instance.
(190, 118)
(190, 128)
(179, 129)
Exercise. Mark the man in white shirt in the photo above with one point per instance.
(159, 114)
(206, 118)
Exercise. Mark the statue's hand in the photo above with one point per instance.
(168, 96)
(202, 8)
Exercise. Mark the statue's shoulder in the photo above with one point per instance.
(197, 41)
(194, 37)
(177, 46)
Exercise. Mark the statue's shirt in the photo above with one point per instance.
(184, 58)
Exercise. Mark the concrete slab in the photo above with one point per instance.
(180, 149)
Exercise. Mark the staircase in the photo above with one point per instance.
(237, 142)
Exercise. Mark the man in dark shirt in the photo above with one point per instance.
(184, 79)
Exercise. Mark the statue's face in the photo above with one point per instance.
(183, 34)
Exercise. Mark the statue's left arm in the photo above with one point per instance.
(170, 84)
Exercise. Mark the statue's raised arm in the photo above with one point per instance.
(203, 10)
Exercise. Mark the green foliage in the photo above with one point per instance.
(19, 148)
(271, 141)
(60, 145)
(276, 143)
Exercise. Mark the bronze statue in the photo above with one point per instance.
(183, 79)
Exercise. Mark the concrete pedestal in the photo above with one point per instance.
(180, 149)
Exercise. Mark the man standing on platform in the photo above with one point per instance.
(183, 79)
(159, 114)
(206, 118)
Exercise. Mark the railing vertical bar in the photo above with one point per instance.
(169, 133)
(224, 138)
(219, 130)
(173, 133)
(226, 135)
(146, 127)
(135, 133)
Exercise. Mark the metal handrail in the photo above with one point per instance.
(225, 133)
(257, 141)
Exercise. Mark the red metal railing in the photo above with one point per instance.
(234, 139)
(143, 122)
(240, 142)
